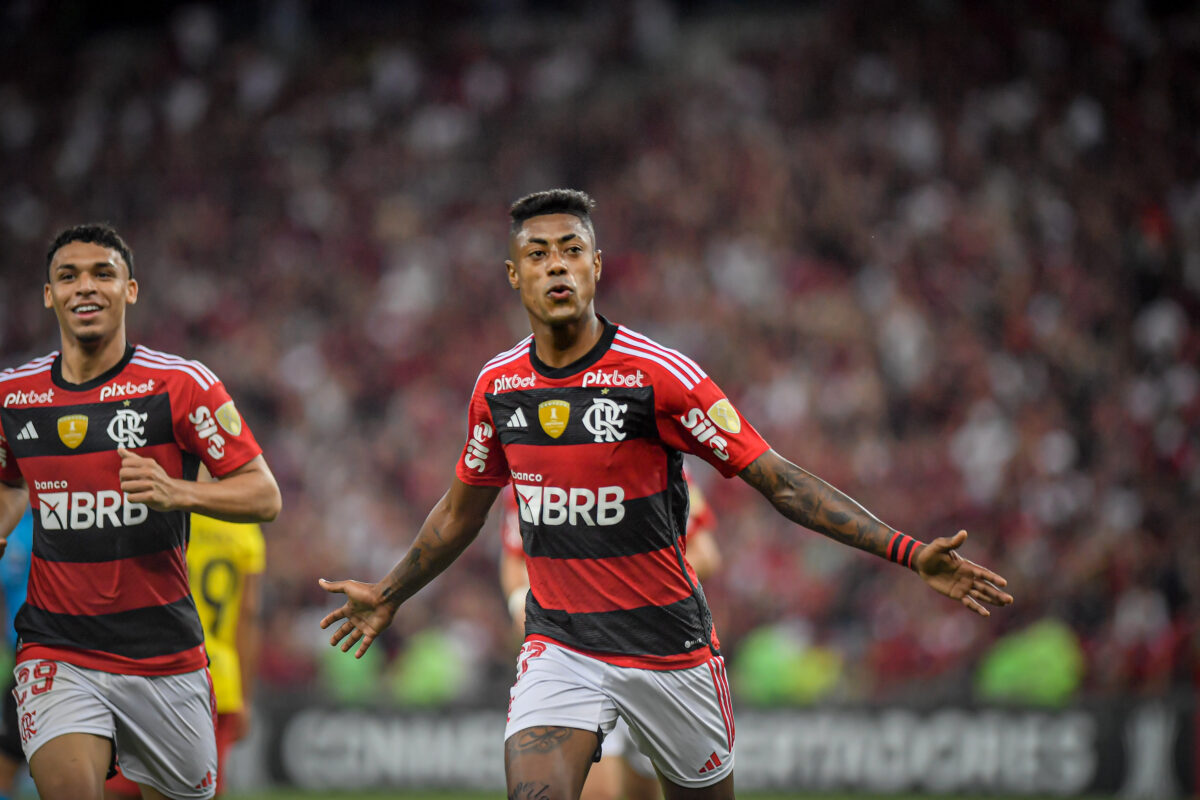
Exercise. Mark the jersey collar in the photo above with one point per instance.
(62, 383)
(583, 362)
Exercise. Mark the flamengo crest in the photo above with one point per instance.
(128, 428)
(605, 418)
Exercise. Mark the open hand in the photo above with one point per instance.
(143, 480)
(365, 615)
(940, 566)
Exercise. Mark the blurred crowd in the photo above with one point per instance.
(944, 255)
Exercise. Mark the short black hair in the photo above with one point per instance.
(99, 233)
(553, 201)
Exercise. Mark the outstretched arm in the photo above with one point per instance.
(809, 501)
(452, 525)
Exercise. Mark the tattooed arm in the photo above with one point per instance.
(809, 501)
(452, 525)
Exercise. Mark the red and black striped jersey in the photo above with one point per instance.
(108, 582)
(594, 451)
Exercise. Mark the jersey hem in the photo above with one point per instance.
(185, 661)
(693, 658)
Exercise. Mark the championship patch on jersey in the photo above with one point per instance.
(553, 415)
(72, 429)
(724, 416)
(229, 419)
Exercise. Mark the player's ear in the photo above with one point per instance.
(513, 280)
(131, 291)
(599, 266)
(47, 298)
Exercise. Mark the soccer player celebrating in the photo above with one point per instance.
(106, 440)
(589, 420)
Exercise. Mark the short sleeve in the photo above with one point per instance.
(212, 428)
(482, 462)
(701, 420)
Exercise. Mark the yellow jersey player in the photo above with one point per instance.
(225, 566)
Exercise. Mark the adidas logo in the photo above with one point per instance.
(712, 763)
(28, 432)
(208, 781)
(517, 420)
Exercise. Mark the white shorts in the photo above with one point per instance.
(619, 744)
(682, 719)
(161, 726)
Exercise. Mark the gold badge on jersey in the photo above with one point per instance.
(72, 429)
(725, 416)
(229, 418)
(553, 415)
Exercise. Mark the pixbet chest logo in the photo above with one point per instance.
(126, 389)
(507, 383)
(614, 378)
(29, 398)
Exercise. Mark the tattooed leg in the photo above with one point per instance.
(548, 763)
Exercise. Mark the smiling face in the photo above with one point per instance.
(554, 263)
(88, 290)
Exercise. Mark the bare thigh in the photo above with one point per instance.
(71, 767)
(637, 786)
(548, 763)
(604, 780)
(722, 790)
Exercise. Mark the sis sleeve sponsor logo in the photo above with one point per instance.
(477, 451)
(206, 429)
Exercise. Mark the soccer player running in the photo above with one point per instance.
(106, 440)
(588, 420)
(623, 770)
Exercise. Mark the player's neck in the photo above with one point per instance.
(566, 343)
(82, 361)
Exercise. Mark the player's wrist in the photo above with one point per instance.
(903, 549)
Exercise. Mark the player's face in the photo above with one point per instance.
(88, 290)
(554, 264)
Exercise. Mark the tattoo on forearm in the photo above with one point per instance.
(809, 501)
(429, 555)
(530, 791)
(538, 740)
